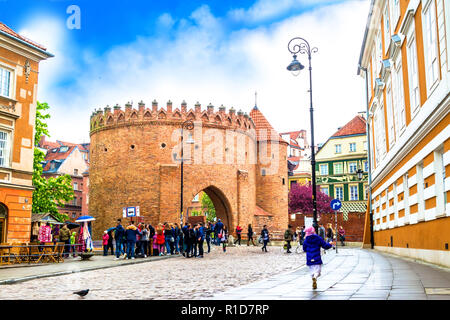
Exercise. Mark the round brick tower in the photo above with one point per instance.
(135, 161)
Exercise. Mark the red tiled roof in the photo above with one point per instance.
(56, 156)
(261, 212)
(261, 125)
(8, 30)
(356, 126)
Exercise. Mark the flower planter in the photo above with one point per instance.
(86, 255)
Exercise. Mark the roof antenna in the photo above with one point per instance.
(255, 107)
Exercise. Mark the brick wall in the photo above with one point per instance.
(354, 226)
(132, 165)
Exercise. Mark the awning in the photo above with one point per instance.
(353, 206)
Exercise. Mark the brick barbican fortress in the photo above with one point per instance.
(237, 159)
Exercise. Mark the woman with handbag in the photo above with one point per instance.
(223, 236)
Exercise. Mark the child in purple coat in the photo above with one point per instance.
(311, 246)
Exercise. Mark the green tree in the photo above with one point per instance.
(54, 191)
(209, 206)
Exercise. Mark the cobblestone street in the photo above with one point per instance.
(174, 278)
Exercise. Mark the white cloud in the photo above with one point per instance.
(267, 9)
(203, 62)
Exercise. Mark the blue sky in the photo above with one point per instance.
(207, 51)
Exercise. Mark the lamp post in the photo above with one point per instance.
(188, 125)
(300, 45)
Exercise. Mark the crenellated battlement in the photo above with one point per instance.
(116, 116)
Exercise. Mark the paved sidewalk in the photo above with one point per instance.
(352, 274)
(23, 272)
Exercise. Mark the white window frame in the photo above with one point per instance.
(325, 190)
(390, 113)
(336, 148)
(387, 28)
(75, 186)
(430, 45)
(7, 149)
(413, 71)
(399, 98)
(12, 82)
(322, 172)
(350, 166)
(350, 146)
(336, 193)
(380, 134)
(395, 14)
(341, 166)
(351, 193)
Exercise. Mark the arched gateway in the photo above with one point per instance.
(238, 160)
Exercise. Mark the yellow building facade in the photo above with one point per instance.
(404, 60)
(19, 67)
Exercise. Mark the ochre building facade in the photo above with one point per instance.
(19, 67)
(405, 60)
(235, 158)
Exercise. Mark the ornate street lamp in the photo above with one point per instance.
(360, 174)
(188, 125)
(300, 45)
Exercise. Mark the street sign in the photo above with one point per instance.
(129, 212)
(335, 204)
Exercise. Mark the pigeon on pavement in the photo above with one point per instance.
(82, 293)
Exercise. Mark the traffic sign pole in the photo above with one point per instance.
(335, 232)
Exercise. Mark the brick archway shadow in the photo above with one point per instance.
(221, 204)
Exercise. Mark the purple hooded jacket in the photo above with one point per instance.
(311, 246)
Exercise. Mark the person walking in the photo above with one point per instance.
(321, 231)
(64, 236)
(105, 239)
(191, 242)
(144, 241)
(110, 241)
(131, 234)
(119, 236)
(217, 228)
(238, 235)
(330, 233)
(177, 235)
(208, 231)
(250, 235)
(73, 240)
(155, 249)
(169, 238)
(160, 239)
(288, 237)
(312, 245)
(194, 241)
(223, 236)
(151, 233)
(342, 235)
(302, 235)
(265, 238)
(200, 237)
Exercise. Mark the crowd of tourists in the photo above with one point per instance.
(146, 240)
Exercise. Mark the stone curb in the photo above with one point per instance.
(47, 275)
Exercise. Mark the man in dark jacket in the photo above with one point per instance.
(288, 237)
(119, 236)
(64, 236)
(217, 228)
(200, 237)
(131, 234)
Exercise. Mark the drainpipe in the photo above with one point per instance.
(372, 241)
